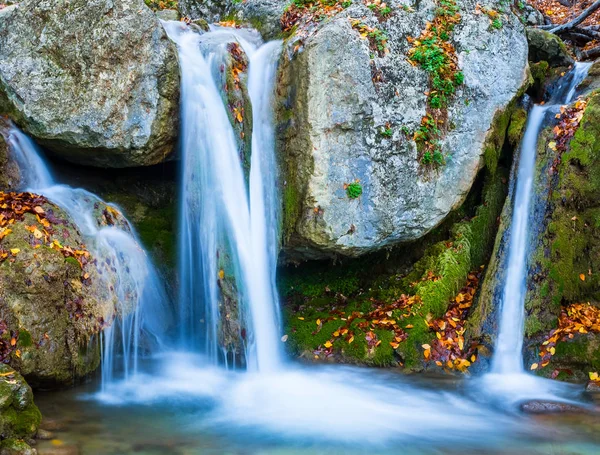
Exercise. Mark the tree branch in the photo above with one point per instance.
(590, 53)
(578, 20)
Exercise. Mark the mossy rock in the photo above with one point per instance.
(52, 307)
(9, 171)
(569, 245)
(547, 47)
(19, 416)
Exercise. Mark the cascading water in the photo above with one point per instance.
(141, 302)
(216, 209)
(508, 358)
(229, 225)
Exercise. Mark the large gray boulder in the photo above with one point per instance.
(347, 113)
(95, 81)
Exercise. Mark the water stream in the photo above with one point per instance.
(216, 210)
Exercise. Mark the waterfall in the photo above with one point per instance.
(508, 357)
(141, 301)
(219, 215)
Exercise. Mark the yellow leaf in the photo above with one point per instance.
(18, 353)
(582, 277)
(351, 339)
(473, 358)
(336, 333)
(593, 376)
(534, 366)
(552, 145)
(15, 251)
(328, 344)
(318, 322)
(301, 318)
(56, 442)
(221, 274)
(552, 351)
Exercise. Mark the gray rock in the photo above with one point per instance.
(16, 447)
(56, 305)
(44, 435)
(332, 113)
(263, 15)
(168, 15)
(95, 81)
(532, 15)
(548, 47)
(550, 407)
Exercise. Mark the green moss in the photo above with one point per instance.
(516, 128)
(25, 339)
(155, 226)
(494, 142)
(451, 262)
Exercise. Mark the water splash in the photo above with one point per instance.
(217, 213)
(141, 304)
(508, 357)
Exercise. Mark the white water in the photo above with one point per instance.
(508, 358)
(217, 212)
(140, 299)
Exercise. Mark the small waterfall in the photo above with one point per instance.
(219, 216)
(508, 357)
(141, 301)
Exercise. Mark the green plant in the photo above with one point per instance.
(354, 190)
(497, 23)
(387, 132)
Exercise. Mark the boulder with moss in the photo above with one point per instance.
(546, 46)
(19, 416)
(122, 95)
(354, 121)
(55, 298)
(321, 298)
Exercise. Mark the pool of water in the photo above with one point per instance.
(182, 409)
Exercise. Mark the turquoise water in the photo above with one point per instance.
(184, 422)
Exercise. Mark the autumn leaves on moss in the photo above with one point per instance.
(434, 52)
(14, 206)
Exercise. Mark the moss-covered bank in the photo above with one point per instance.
(565, 263)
